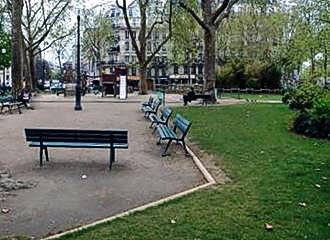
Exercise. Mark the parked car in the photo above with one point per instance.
(57, 87)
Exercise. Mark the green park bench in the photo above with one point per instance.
(162, 119)
(76, 138)
(9, 102)
(147, 103)
(151, 109)
(166, 133)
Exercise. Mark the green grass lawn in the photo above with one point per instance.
(251, 96)
(272, 171)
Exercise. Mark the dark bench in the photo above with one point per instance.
(162, 119)
(166, 133)
(76, 138)
(10, 102)
(148, 103)
(206, 98)
(151, 109)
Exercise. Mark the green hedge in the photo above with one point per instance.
(248, 74)
(312, 104)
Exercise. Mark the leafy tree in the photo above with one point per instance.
(213, 13)
(157, 19)
(97, 37)
(5, 49)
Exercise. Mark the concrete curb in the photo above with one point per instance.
(210, 181)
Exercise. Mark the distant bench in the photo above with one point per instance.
(76, 138)
(206, 98)
(9, 102)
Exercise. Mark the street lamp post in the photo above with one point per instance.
(3, 51)
(78, 87)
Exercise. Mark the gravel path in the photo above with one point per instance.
(60, 199)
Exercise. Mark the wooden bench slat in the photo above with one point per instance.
(78, 145)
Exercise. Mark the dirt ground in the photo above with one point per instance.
(60, 198)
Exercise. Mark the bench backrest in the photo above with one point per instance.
(76, 135)
(155, 104)
(182, 124)
(166, 114)
(150, 101)
(6, 99)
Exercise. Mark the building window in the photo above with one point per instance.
(163, 72)
(133, 59)
(112, 13)
(127, 46)
(186, 70)
(126, 59)
(133, 71)
(175, 69)
(156, 35)
(130, 12)
(193, 70)
(134, 34)
(200, 69)
(149, 46)
(126, 34)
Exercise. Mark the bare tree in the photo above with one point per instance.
(145, 32)
(213, 13)
(39, 20)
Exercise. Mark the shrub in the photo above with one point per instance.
(248, 74)
(303, 96)
(313, 106)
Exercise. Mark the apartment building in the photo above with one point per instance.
(122, 53)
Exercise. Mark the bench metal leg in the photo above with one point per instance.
(19, 109)
(168, 144)
(40, 155)
(46, 153)
(112, 157)
(158, 143)
(154, 130)
(185, 148)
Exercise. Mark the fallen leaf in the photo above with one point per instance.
(317, 185)
(324, 178)
(268, 227)
(5, 210)
(83, 177)
(302, 204)
(317, 169)
(173, 221)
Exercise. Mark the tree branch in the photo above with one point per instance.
(165, 40)
(194, 15)
(219, 10)
(124, 10)
(226, 13)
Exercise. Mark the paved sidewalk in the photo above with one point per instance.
(62, 199)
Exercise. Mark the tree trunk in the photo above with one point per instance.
(142, 57)
(325, 64)
(312, 61)
(209, 59)
(27, 72)
(32, 69)
(60, 62)
(17, 48)
(143, 80)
